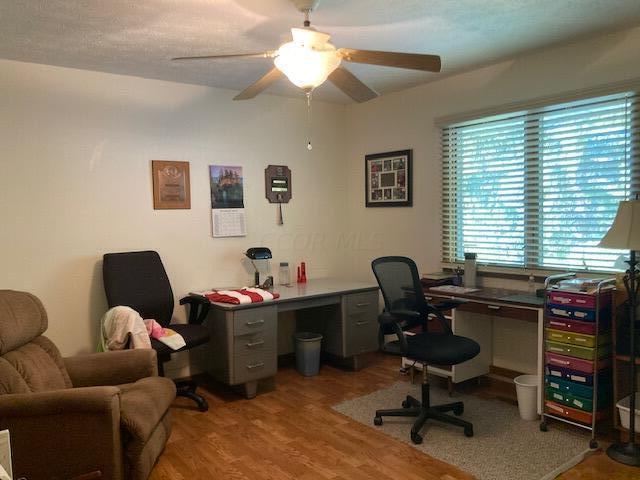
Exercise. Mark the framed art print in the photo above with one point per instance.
(388, 179)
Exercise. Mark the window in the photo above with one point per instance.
(539, 188)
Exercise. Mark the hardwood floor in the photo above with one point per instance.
(291, 432)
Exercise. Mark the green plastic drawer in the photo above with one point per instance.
(580, 339)
(585, 353)
(575, 401)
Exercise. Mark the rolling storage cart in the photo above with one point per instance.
(577, 343)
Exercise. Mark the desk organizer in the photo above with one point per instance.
(577, 342)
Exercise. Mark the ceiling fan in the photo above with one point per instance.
(309, 59)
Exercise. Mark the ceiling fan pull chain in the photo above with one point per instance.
(309, 146)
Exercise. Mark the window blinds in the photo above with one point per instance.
(539, 188)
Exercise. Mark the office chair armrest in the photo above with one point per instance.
(198, 307)
(390, 323)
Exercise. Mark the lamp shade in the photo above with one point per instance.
(307, 60)
(624, 234)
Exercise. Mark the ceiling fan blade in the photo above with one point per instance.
(268, 54)
(349, 84)
(262, 83)
(413, 61)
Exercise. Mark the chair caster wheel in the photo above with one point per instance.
(543, 427)
(468, 431)
(458, 410)
(593, 444)
(416, 438)
(377, 421)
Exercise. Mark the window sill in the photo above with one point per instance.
(519, 273)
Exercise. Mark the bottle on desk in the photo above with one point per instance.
(469, 270)
(303, 273)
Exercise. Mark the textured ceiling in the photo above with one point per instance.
(140, 37)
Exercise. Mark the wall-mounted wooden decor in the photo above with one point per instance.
(171, 188)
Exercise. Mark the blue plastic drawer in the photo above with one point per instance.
(604, 389)
(575, 313)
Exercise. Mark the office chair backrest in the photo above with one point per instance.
(138, 280)
(400, 284)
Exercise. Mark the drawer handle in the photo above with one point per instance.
(255, 365)
(254, 344)
(363, 304)
(494, 307)
(362, 322)
(255, 322)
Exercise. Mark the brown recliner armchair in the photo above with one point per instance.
(106, 412)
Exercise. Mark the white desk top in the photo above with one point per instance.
(317, 287)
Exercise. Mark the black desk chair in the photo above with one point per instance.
(406, 309)
(139, 280)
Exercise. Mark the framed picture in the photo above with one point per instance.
(170, 185)
(388, 179)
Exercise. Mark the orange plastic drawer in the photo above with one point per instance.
(574, 414)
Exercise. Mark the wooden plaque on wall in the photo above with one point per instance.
(171, 189)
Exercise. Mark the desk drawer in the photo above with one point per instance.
(254, 366)
(362, 302)
(254, 319)
(500, 311)
(255, 342)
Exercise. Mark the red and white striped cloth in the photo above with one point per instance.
(241, 296)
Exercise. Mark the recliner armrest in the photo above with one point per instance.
(199, 307)
(111, 368)
(63, 433)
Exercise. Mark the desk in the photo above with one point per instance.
(243, 341)
(475, 320)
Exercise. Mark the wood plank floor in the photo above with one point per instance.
(291, 432)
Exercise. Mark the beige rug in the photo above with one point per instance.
(503, 447)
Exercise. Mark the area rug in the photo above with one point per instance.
(503, 447)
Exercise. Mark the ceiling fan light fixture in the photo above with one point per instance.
(309, 59)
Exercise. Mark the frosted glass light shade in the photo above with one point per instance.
(624, 234)
(309, 59)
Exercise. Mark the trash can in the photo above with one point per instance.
(308, 353)
(527, 392)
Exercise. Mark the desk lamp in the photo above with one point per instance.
(624, 234)
(257, 253)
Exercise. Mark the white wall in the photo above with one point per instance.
(76, 149)
(406, 120)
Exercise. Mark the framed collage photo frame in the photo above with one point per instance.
(388, 179)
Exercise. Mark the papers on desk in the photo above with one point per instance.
(453, 289)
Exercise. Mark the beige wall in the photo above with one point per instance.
(406, 120)
(75, 150)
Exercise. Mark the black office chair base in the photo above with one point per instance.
(411, 407)
(187, 388)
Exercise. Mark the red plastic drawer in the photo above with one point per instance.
(586, 366)
(578, 299)
(588, 328)
(572, 413)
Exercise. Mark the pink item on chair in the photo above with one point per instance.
(154, 329)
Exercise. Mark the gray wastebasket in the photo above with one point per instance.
(308, 353)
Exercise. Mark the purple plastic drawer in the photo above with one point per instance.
(577, 326)
(572, 363)
(582, 378)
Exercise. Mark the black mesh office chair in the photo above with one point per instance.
(139, 280)
(406, 309)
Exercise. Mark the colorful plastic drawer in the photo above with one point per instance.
(579, 339)
(573, 401)
(573, 363)
(572, 413)
(578, 299)
(575, 389)
(572, 313)
(604, 376)
(577, 326)
(576, 351)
